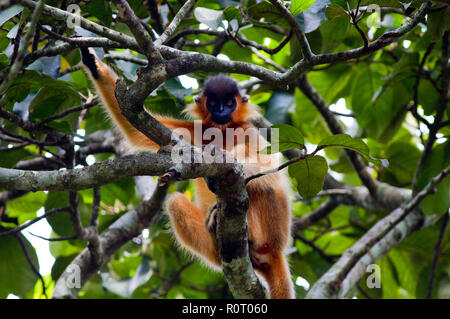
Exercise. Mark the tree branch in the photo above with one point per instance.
(18, 62)
(185, 9)
(306, 50)
(379, 240)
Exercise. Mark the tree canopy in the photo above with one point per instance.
(359, 90)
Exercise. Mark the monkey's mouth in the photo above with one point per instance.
(221, 119)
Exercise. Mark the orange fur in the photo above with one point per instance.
(268, 216)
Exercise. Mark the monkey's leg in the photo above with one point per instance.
(276, 273)
(189, 225)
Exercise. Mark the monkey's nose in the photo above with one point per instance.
(221, 108)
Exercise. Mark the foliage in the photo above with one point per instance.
(390, 98)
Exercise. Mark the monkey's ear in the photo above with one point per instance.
(197, 99)
(244, 98)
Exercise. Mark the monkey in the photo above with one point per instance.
(220, 106)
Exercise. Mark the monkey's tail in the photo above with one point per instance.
(278, 278)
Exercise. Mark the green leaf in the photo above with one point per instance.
(25, 207)
(102, 10)
(308, 119)
(335, 11)
(345, 140)
(333, 32)
(401, 167)
(428, 97)
(277, 107)
(298, 6)
(230, 13)
(438, 159)
(16, 275)
(310, 175)
(212, 18)
(284, 137)
(10, 158)
(310, 19)
(267, 13)
(52, 99)
(60, 222)
(437, 23)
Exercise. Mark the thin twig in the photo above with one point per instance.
(31, 222)
(31, 263)
(330, 258)
(53, 239)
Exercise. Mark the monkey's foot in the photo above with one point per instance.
(167, 177)
(211, 220)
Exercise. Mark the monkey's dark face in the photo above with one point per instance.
(221, 108)
(221, 92)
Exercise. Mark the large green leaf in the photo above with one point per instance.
(25, 207)
(401, 167)
(345, 140)
(102, 10)
(310, 175)
(284, 137)
(437, 23)
(60, 222)
(438, 159)
(265, 11)
(335, 11)
(277, 107)
(310, 19)
(298, 6)
(308, 119)
(16, 274)
(428, 97)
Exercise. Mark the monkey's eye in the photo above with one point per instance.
(212, 103)
(230, 102)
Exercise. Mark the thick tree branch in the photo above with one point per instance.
(106, 172)
(205, 62)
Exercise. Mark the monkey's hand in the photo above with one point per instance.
(211, 220)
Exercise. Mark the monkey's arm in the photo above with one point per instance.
(105, 83)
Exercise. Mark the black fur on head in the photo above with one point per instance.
(221, 86)
(220, 92)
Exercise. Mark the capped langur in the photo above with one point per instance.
(220, 106)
